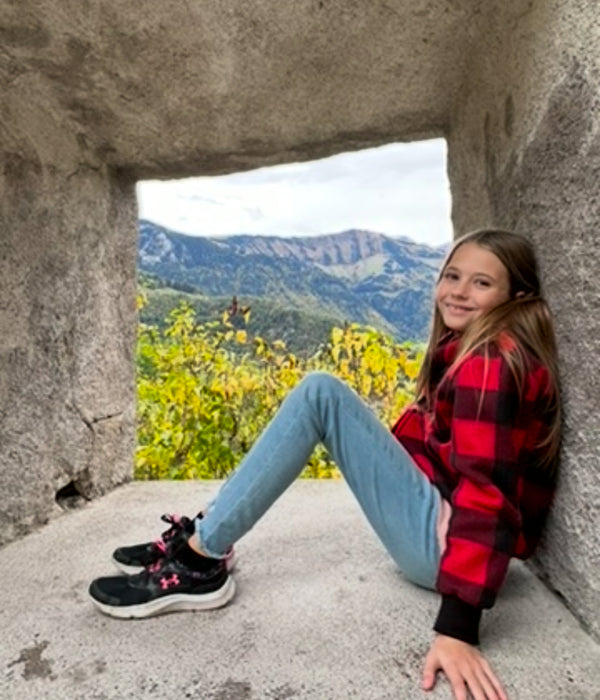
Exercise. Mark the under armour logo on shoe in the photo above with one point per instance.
(169, 581)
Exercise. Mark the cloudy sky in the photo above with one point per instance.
(397, 190)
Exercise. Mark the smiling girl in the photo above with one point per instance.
(461, 484)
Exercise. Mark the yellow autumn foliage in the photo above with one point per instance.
(206, 391)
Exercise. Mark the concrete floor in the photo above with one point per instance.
(320, 612)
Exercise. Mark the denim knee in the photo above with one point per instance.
(320, 382)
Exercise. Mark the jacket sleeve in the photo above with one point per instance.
(484, 456)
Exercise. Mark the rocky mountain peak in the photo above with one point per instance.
(360, 275)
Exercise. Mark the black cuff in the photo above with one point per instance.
(458, 619)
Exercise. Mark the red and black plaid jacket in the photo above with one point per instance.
(479, 444)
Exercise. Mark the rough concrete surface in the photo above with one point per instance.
(524, 153)
(98, 95)
(68, 328)
(194, 87)
(95, 96)
(320, 612)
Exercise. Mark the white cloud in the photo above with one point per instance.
(399, 189)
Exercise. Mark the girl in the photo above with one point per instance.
(461, 484)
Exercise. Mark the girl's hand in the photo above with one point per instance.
(465, 668)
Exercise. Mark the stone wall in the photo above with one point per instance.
(524, 153)
(67, 271)
(95, 96)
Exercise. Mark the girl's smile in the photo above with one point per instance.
(456, 309)
(473, 282)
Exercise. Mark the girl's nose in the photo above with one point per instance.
(460, 290)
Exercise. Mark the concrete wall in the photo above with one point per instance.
(67, 275)
(96, 95)
(524, 153)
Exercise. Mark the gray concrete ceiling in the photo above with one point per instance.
(193, 86)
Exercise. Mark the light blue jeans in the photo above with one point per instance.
(397, 499)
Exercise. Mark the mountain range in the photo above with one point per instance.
(354, 275)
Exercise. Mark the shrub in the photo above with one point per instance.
(206, 391)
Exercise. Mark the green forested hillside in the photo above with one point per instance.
(303, 330)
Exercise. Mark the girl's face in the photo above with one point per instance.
(473, 282)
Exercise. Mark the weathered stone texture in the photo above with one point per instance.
(198, 87)
(525, 154)
(95, 95)
(67, 269)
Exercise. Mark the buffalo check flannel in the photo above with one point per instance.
(479, 444)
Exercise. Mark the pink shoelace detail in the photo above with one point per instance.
(161, 542)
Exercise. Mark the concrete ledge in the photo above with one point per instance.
(320, 612)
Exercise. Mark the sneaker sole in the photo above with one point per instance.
(131, 570)
(177, 602)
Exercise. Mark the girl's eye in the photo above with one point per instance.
(482, 283)
(450, 275)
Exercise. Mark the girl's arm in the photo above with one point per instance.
(482, 534)
(486, 437)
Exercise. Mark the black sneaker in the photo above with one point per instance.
(134, 559)
(167, 586)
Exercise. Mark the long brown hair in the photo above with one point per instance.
(525, 317)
